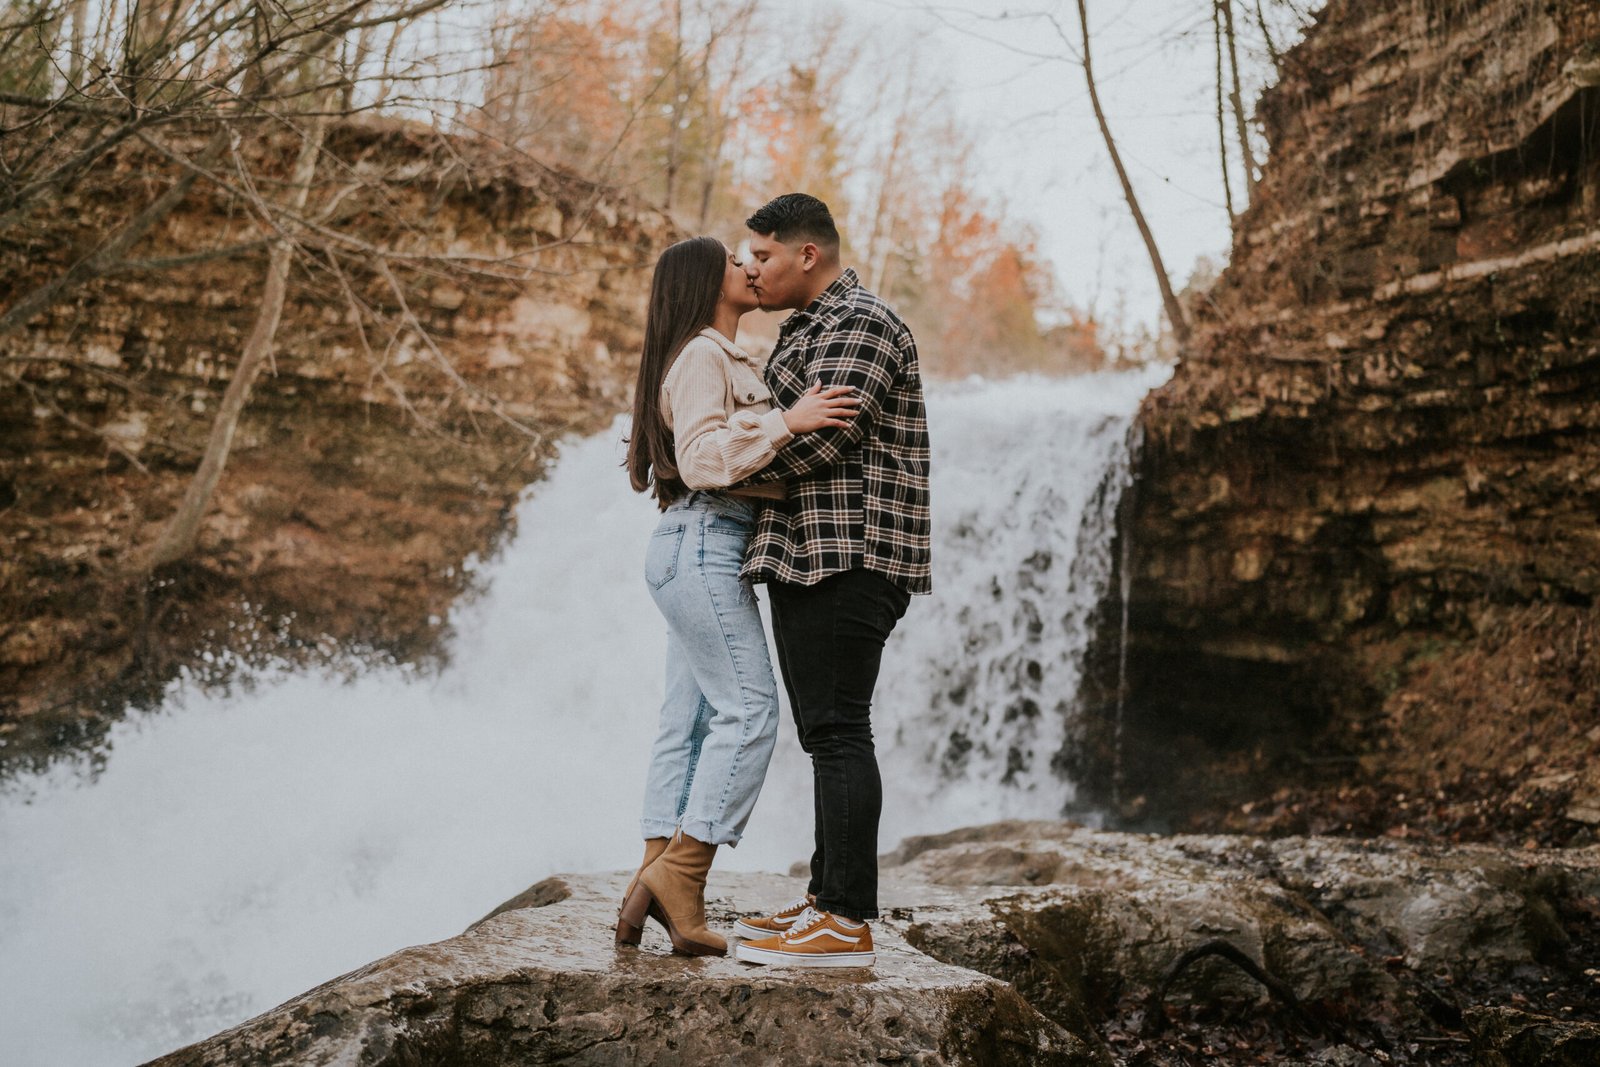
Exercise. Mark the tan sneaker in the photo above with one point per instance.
(760, 927)
(816, 939)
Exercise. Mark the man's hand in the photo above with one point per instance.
(821, 407)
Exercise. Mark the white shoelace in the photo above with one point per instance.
(808, 920)
(799, 904)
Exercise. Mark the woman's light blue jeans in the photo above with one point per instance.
(720, 716)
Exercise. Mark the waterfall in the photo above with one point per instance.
(1124, 600)
(979, 679)
(237, 850)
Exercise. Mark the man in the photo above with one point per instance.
(840, 556)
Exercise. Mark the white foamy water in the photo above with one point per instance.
(237, 851)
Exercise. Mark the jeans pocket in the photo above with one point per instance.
(661, 557)
(732, 515)
(732, 525)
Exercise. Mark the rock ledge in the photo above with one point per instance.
(1006, 944)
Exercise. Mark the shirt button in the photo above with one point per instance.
(750, 398)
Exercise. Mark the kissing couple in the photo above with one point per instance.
(808, 475)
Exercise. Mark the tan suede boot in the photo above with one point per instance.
(628, 934)
(677, 883)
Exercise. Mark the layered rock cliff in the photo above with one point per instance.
(384, 446)
(1365, 536)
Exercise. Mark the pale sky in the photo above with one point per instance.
(1018, 88)
(1042, 152)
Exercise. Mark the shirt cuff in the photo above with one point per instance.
(775, 428)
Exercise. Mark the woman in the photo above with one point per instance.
(703, 421)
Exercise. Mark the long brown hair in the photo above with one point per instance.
(683, 301)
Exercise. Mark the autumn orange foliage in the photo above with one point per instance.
(709, 111)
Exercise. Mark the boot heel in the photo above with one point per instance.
(630, 920)
(627, 933)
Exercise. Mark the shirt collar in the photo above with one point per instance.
(830, 304)
(727, 346)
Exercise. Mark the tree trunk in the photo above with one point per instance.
(178, 539)
(1169, 299)
(79, 11)
(148, 44)
(351, 65)
(1266, 35)
(881, 240)
(1222, 123)
(675, 111)
(715, 130)
(1245, 153)
(717, 103)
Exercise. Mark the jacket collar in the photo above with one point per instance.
(829, 307)
(733, 350)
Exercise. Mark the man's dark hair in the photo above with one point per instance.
(796, 217)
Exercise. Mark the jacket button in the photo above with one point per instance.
(750, 398)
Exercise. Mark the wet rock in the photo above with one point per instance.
(1338, 1056)
(539, 895)
(1326, 916)
(1585, 809)
(1009, 943)
(542, 984)
(1506, 1037)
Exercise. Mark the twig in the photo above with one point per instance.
(277, 214)
(72, 420)
(1155, 1019)
(444, 364)
(127, 266)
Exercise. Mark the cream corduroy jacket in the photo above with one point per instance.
(720, 412)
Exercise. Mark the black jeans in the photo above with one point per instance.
(830, 642)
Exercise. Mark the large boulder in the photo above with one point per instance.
(543, 983)
(1009, 943)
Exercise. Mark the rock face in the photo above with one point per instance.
(376, 454)
(1014, 943)
(1365, 518)
(544, 984)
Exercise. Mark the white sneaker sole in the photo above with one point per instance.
(754, 933)
(772, 958)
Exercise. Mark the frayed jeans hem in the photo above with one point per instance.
(710, 832)
(649, 828)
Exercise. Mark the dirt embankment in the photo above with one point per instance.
(1366, 533)
(385, 445)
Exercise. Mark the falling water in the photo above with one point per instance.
(1124, 599)
(237, 850)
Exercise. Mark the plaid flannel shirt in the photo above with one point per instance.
(858, 496)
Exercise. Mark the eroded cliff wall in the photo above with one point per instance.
(1366, 530)
(384, 446)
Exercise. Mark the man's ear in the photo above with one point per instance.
(810, 256)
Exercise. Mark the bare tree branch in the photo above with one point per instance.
(110, 251)
(160, 263)
(1169, 299)
(1222, 125)
(111, 440)
(178, 538)
(1266, 35)
(1237, 96)
(440, 360)
(281, 215)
